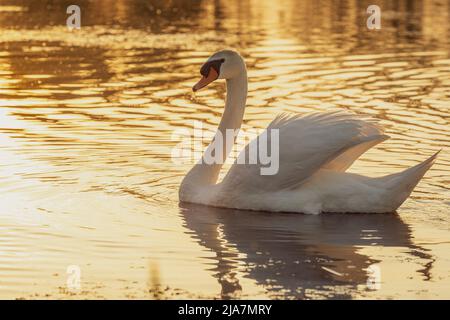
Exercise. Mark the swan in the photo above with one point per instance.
(314, 151)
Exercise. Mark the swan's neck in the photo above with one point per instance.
(204, 173)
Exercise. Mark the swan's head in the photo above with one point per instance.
(224, 64)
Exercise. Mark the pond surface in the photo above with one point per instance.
(86, 135)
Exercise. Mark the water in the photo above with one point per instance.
(86, 123)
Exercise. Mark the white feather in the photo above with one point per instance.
(315, 151)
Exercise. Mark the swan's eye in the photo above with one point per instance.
(210, 71)
(215, 64)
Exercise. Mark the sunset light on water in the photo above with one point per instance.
(89, 188)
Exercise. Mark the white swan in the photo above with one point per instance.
(314, 153)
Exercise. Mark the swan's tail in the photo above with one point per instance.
(400, 185)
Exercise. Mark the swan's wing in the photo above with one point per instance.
(306, 144)
(346, 159)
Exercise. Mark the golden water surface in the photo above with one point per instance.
(86, 124)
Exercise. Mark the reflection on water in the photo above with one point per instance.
(298, 256)
(86, 119)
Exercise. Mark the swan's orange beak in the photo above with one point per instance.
(204, 81)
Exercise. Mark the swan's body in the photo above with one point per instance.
(314, 153)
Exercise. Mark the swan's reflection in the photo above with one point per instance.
(293, 255)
